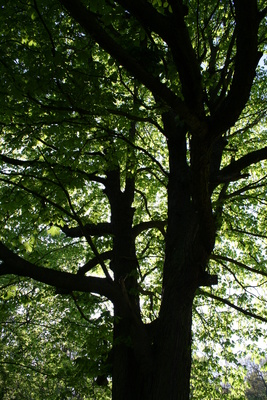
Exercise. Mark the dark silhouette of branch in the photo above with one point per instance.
(246, 188)
(217, 257)
(232, 172)
(244, 232)
(143, 226)
(14, 264)
(247, 57)
(100, 229)
(172, 28)
(90, 22)
(93, 262)
(46, 28)
(37, 163)
(105, 228)
(228, 303)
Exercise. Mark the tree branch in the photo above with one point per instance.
(263, 12)
(46, 28)
(244, 232)
(107, 255)
(105, 228)
(246, 60)
(147, 15)
(160, 225)
(247, 188)
(12, 264)
(232, 171)
(39, 196)
(100, 229)
(217, 257)
(18, 364)
(147, 153)
(173, 30)
(25, 163)
(92, 26)
(228, 303)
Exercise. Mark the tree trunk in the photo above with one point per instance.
(131, 378)
(158, 366)
(173, 361)
(167, 376)
(131, 353)
(186, 257)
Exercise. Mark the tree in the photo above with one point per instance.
(133, 155)
(257, 386)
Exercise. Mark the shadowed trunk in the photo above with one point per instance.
(131, 353)
(156, 363)
(182, 271)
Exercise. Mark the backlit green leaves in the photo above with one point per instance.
(71, 115)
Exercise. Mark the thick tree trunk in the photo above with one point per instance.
(173, 361)
(132, 363)
(181, 277)
(167, 376)
(158, 366)
(186, 257)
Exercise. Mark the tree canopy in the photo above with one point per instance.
(132, 197)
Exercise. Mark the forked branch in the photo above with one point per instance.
(12, 264)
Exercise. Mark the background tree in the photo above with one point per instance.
(256, 379)
(133, 170)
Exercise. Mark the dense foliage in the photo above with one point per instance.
(91, 94)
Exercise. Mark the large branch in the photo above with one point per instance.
(143, 226)
(148, 16)
(100, 229)
(246, 61)
(233, 170)
(251, 186)
(12, 264)
(90, 23)
(172, 29)
(185, 57)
